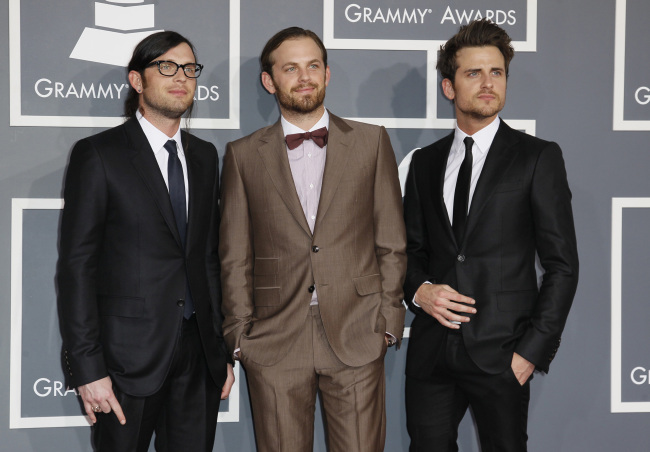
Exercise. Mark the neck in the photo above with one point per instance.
(471, 125)
(168, 126)
(303, 120)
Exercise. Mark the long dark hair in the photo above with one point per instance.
(144, 53)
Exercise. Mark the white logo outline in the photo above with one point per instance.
(18, 119)
(431, 120)
(16, 420)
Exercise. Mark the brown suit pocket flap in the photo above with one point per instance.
(366, 285)
(266, 266)
(517, 300)
(121, 306)
(266, 296)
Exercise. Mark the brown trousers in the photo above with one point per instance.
(283, 397)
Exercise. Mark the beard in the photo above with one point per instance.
(166, 107)
(290, 101)
(479, 111)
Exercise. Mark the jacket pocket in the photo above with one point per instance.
(367, 285)
(121, 306)
(266, 296)
(508, 186)
(266, 266)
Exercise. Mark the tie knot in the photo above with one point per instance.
(318, 136)
(170, 146)
(469, 142)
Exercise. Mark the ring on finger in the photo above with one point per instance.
(96, 408)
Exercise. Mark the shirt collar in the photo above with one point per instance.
(288, 128)
(482, 139)
(156, 138)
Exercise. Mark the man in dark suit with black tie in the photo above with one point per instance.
(479, 205)
(138, 272)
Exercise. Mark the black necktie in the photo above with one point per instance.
(177, 197)
(318, 136)
(461, 195)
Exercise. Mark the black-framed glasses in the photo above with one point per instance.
(169, 68)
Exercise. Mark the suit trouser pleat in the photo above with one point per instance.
(283, 397)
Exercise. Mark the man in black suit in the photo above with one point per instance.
(479, 205)
(138, 272)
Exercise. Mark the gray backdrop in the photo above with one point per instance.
(580, 77)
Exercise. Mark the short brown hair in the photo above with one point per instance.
(276, 41)
(478, 33)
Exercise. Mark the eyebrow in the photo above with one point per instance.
(496, 68)
(293, 63)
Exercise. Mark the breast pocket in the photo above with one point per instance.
(506, 186)
(266, 288)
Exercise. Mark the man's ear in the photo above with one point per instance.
(267, 82)
(448, 89)
(135, 79)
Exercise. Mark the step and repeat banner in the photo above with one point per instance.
(579, 77)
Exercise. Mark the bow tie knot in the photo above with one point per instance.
(318, 136)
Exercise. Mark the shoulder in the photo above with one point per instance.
(526, 142)
(197, 147)
(356, 127)
(255, 139)
(435, 149)
(108, 137)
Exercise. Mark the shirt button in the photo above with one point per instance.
(315, 249)
(308, 155)
(460, 258)
(311, 185)
(313, 217)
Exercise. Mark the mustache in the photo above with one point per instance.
(305, 85)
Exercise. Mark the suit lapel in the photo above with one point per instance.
(437, 172)
(273, 153)
(497, 162)
(338, 150)
(193, 172)
(145, 163)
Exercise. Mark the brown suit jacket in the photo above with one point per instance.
(355, 257)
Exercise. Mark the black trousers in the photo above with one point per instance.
(183, 413)
(435, 407)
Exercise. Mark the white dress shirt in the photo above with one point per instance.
(157, 140)
(482, 142)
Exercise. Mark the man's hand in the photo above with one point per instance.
(522, 368)
(440, 301)
(227, 386)
(100, 394)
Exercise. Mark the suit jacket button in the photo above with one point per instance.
(460, 258)
(311, 289)
(315, 249)
(180, 303)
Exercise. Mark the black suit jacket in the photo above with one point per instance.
(122, 269)
(521, 205)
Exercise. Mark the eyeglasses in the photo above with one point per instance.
(169, 68)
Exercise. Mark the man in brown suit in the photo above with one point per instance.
(313, 259)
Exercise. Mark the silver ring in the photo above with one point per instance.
(96, 408)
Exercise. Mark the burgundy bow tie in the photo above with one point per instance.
(318, 136)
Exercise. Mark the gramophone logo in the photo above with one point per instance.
(121, 25)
